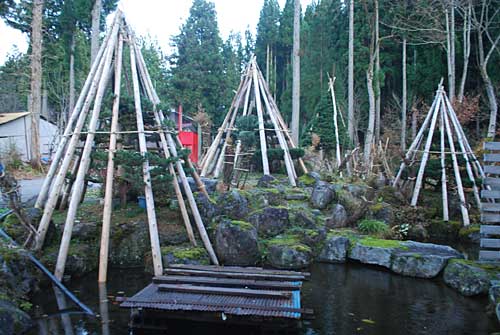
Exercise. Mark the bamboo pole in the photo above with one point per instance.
(425, 156)
(84, 163)
(247, 94)
(108, 196)
(262, 132)
(42, 196)
(337, 145)
(192, 202)
(415, 144)
(462, 141)
(460, 189)
(220, 160)
(281, 139)
(67, 188)
(444, 188)
(148, 190)
(68, 155)
(177, 189)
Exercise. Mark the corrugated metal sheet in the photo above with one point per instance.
(151, 298)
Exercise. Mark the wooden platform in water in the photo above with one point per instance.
(220, 293)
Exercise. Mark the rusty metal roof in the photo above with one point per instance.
(152, 298)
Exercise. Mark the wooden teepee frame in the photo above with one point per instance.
(108, 62)
(252, 91)
(442, 112)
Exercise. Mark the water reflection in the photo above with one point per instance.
(347, 299)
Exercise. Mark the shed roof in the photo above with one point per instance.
(7, 117)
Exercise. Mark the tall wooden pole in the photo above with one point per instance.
(84, 164)
(71, 146)
(262, 131)
(425, 155)
(148, 189)
(40, 201)
(108, 196)
(335, 124)
(296, 72)
(404, 100)
(350, 76)
(444, 188)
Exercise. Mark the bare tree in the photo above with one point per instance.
(403, 98)
(96, 23)
(377, 73)
(467, 13)
(296, 73)
(482, 19)
(36, 82)
(370, 130)
(350, 80)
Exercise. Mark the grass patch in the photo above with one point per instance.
(242, 224)
(373, 227)
(289, 240)
(380, 243)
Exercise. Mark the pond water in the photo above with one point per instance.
(346, 298)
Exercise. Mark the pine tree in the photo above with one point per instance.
(197, 65)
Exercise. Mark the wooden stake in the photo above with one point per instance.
(94, 70)
(85, 162)
(192, 203)
(148, 190)
(68, 155)
(337, 145)
(460, 189)
(444, 188)
(262, 132)
(67, 188)
(425, 156)
(108, 196)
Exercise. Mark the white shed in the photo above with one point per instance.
(15, 131)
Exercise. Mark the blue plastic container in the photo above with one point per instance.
(142, 202)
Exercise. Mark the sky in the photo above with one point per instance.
(161, 19)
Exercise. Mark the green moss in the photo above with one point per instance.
(373, 227)
(307, 180)
(192, 253)
(377, 207)
(289, 240)
(379, 243)
(466, 231)
(490, 268)
(242, 224)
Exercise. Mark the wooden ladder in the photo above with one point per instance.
(490, 210)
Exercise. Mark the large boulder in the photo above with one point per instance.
(210, 184)
(372, 255)
(270, 221)
(233, 204)
(423, 260)
(85, 231)
(338, 217)
(334, 250)
(181, 255)
(289, 257)
(236, 243)
(208, 209)
(466, 277)
(302, 219)
(129, 244)
(266, 181)
(322, 195)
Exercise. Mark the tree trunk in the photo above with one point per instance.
(404, 100)
(371, 113)
(96, 28)
(296, 74)
(377, 74)
(466, 51)
(36, 82)
(450, 57)
(452, 53)
(350, 80)
(71, 78)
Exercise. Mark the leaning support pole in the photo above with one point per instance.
(42, 196)
(192, 202)
(108, 196)
(444, 188)
(281, 139)
(335, 124)
(262, 131)
(199, 183)
(85, 162)
(456, 169)
(415, 144)
(75, 138)
(175, 182)
(425, 155)
(148, 190)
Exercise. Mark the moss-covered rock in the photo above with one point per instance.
(467, 277)
(470, 233)
(334, 249)
(12, 319)
(233, 205)
(185, 254)
(270, 221)
(287, 252)
(370, 250)
(444, 231)
(236, 243)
